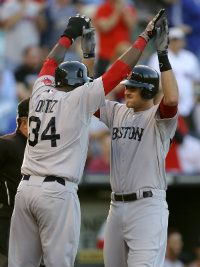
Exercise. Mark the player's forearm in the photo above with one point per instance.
(55, 57)
(169, 103)
(58, 53)
(170, 88)
(73, 30)
(132, 55)
(168, 80)
(60, 49)
(124, 65)
(89, 62)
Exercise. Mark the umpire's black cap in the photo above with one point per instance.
(23, 108)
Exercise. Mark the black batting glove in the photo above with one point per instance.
(161, 43)
(75, 26)
(162, 37)
(150, 30)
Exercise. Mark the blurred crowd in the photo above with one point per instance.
(30, 28)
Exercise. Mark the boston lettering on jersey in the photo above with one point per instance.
(127, 132)
(46, 105)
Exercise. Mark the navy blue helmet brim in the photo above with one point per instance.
(134, 84)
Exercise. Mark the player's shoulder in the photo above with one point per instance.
(152, 112)
(7, 141)
(44, 81)
(91, 86)
(115, 106)
(7, 137)
(97, 81)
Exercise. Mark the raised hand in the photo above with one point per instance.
(88, 42)
(162, 36)
(75, 26)
(150, 30)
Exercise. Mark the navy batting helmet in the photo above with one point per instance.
(71, 73)
(145, 78)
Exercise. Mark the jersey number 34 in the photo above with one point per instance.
(34, 131)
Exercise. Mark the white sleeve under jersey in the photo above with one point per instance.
(139, 145)
(59, 128)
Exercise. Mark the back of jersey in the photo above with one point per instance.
(59, 128)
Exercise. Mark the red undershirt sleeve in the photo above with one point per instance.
(118, 71)
(167, 111)
(48, 67)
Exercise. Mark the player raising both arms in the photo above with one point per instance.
(46, 217)
(136, 228)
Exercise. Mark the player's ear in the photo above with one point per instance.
(24, 124)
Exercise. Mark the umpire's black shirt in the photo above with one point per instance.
(12, 148)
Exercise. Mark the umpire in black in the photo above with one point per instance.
(12, 148)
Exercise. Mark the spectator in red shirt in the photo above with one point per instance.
(114, 21)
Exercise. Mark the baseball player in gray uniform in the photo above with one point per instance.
(136, 228)
(46, 217)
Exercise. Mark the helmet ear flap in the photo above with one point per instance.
(60, 75)
(148, 93)
(80, 73)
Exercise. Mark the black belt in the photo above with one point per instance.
(132, 196)
(49, 178)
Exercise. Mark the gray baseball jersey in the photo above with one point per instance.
(58, 146)
(137, 136)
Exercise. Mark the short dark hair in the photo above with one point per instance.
(23, 108)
